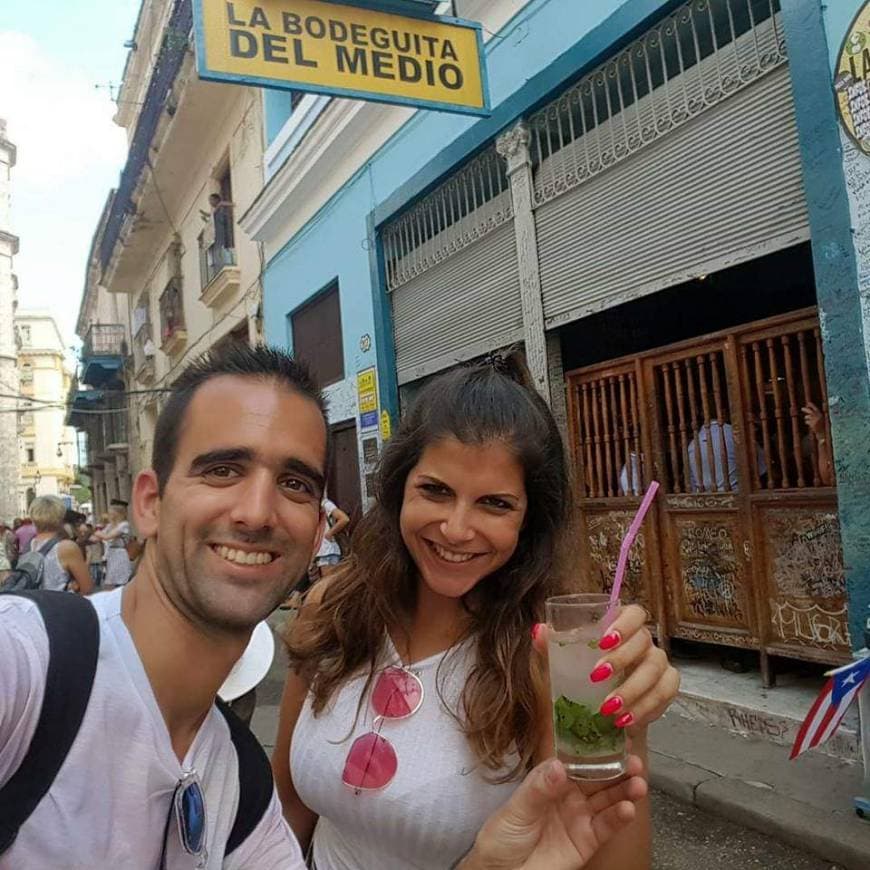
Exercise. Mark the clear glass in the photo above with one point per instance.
(589, 745)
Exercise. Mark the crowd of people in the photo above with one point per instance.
(415, 727)
(78, 556)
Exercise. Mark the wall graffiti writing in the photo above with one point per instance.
(811, 625)
(709, 564)
(753, 722)
(804, 555)
(606, 532)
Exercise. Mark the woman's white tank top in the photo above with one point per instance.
(428, 816)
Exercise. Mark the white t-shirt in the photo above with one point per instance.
(108, 805)
(328, 546)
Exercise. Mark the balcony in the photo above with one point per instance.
(173, 333)
(103, 354)
(219, 274)
(143, 354)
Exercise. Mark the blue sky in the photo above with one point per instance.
(56, 62)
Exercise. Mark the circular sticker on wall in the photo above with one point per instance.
(852, 80)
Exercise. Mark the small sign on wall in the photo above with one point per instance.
(367, 398)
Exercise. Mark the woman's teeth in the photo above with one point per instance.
(449, 555)
(241, 557)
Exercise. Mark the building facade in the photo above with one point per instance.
(9, 459)
(48, 453)
(169, 266)
(649, 211)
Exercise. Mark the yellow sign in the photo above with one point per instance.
(386, 426)
(344, 50)
(367, 398)
(852, 80)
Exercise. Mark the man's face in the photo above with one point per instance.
(239, 519)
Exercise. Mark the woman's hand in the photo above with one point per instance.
(649, 683)
(549, 824)
(814, 419)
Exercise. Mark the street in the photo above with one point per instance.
(686, 838)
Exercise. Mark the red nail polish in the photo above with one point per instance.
(610, 640)
(536, 630)
(624, 721)
(602, 672)
(610, 706)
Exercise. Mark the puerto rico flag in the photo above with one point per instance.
(829, 708)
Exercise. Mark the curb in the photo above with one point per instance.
(839, 837)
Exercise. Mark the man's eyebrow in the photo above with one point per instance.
(229, 454)
(299, 467)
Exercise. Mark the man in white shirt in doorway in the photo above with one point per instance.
(231, 511)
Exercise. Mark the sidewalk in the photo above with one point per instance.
(806, 802)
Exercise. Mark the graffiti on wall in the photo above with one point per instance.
(606, 531)
(710, 571)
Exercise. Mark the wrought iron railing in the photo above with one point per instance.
(105, 339)
(217, 248)
(143, 346)
(168, 63)
(171, 311)
(470, 204)
(691, 60)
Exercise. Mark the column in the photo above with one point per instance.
(514, 147)
(833, 171)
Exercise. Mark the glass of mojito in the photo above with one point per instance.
(589, 745)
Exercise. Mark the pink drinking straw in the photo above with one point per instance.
(624, 549)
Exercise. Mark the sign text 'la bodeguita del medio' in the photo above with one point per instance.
(339, 49)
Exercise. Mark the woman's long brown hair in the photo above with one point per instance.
(375, 589)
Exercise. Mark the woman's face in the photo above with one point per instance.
(462, 512)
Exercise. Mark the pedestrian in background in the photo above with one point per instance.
(116, 536)
(93, 554)
(8, 551)
(64, 567)
(24, 534)
(329, 554)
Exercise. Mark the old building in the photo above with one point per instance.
(168, 246)
(8, 353)
(47, 445)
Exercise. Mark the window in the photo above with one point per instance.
(26, 373)
(217, 241)
(171, 311)
(25, 336)
(316, 331)
(31, 454)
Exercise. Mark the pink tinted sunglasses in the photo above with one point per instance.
(372, 763)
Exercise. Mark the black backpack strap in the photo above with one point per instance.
(73, 646)
(255, 779)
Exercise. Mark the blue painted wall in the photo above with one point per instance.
(547, 43)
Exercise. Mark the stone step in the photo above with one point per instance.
(740, 704)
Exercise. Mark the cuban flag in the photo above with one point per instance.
(829, 708)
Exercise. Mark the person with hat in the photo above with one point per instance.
(116, 536)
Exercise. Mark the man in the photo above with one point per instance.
(24, 535)
(9, 544)
(231, 510)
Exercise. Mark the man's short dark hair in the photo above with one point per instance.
(242, 360)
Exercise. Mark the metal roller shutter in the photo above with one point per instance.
(724, 188)
(466, 305)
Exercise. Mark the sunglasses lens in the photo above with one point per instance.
(191, 819)
(371, 763)
(397, 694)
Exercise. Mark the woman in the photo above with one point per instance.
(447, 579)
(116, 535)
(329, 554)
(64, 566)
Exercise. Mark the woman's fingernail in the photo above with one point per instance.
(610, 640)
(624, 721)
(602, 672)
(610, 706)
(536, 630)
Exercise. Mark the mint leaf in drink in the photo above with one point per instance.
(583, 729)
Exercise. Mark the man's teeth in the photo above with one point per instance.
(241, 557)
(450, 556)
